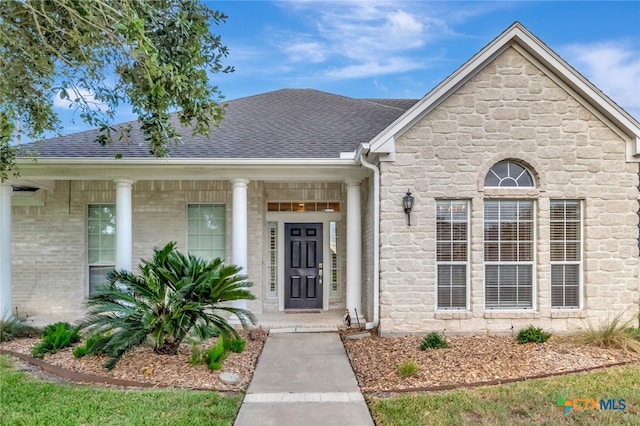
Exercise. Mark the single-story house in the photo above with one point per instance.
(524, 193)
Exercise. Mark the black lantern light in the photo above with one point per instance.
(407, 202)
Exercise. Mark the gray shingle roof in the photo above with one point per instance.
(287, 123)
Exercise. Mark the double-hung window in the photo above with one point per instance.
(206, 227)
(508, 253)
(566, 253)
(101, 242)
(452, 253)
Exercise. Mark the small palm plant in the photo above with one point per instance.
(174, 296)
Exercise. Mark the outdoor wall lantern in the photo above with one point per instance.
(407, 202)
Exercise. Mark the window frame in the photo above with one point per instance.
(579, 263)
(531, 262)
(466, 263)
(493, 173)
(189, 233)
(100, 264)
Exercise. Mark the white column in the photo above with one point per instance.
(239, 232)
(354, 249)
(123, 225)
(5, 250)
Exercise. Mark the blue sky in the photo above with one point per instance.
(402, 49)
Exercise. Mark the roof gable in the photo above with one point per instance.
(518, 37)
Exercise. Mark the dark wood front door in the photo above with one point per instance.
(303, 266)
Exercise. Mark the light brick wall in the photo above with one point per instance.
(367, 247)
(510, 110)
(49, 243)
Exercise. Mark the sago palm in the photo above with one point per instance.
(173, 295)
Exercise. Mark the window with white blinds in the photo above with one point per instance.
(508, 254)
(452, 253)
(566, 253)
(272, 259)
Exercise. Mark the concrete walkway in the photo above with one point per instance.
(303, 379)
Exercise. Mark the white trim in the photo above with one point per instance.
(354, 249)
(375, 321)
(5, 250)
(124, 224)
(239, 231)
(272, 170)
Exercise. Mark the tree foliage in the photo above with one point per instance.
(156, 55)
(174, 295)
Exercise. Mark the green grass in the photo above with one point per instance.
(524, 403)
(30, 402)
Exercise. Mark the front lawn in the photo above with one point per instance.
(525, 403)
(26, 401)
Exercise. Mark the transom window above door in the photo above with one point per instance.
(508, 174)
(304, 206)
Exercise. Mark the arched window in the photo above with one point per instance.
(508, 174)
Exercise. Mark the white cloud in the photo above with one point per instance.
(305, 51)
(356, 39)
(74, 94)
(613, 67)
(374, 68)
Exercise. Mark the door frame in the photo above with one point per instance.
(302, 217)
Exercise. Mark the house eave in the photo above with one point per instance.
(273, 169)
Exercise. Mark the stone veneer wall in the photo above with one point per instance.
(509, 110)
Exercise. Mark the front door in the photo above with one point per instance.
(303, 266)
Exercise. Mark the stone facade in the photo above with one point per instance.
(511, 109)
(49, 259)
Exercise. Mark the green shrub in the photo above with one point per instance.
(55, 337)
(613, 333)
(173, 297)
(15, 328)
(407, 369)
(434, 340)
(532, 334)
(83, 350)
(214, 356)
(236, 345)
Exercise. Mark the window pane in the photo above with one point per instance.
(206, 235)
(459, 252)
(98, 277)
(444, 252)
(452, 286)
